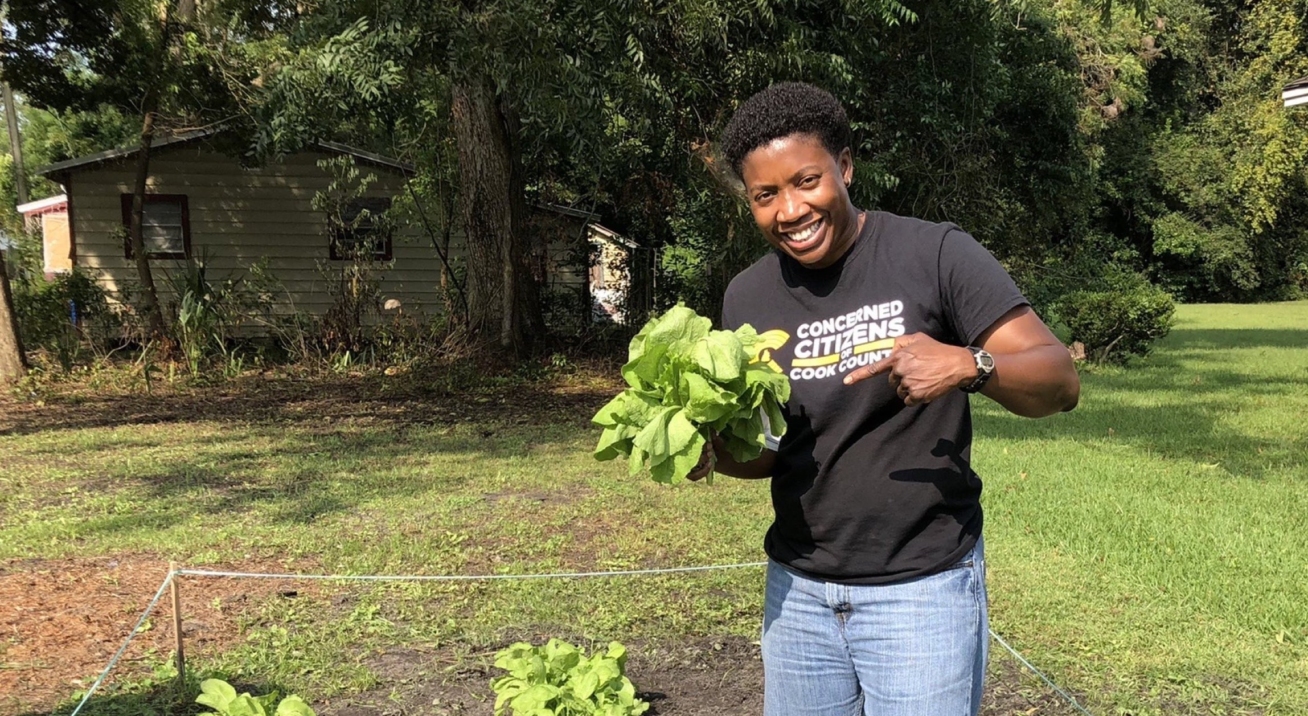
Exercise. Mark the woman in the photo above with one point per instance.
(876, 599)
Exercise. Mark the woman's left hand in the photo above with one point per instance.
(921, 369)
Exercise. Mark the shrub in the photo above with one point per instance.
(1120, 321)
(206, 313)
(63, 314)
(558, 679)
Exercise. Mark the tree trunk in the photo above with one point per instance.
(501, 291)
(178, 15)
(153, 313)
(13, 364)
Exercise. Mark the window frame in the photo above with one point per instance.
(179, 199)
(387, 250)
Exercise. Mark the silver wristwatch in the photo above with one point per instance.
(985, 367)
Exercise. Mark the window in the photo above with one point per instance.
(361, 231)
(165, 226)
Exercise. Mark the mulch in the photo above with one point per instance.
(62, 620)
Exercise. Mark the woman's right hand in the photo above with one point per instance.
(708, 459)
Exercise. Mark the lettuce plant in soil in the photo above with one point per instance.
(223, 699)
(558, 679)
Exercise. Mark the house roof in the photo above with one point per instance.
(589, 217)
(91, 160)
(613, 236)
(42, 205)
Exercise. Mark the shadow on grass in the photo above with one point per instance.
(1176, 404)
(1232, 338)
(301, 483)
(296, 449)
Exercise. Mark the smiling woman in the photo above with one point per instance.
(876, 600)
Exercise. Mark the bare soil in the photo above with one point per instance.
(695, 677)
(61, 620)
(417, 397)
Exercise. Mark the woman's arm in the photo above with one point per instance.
(1034, 375)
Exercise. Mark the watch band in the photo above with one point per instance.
(985, 367)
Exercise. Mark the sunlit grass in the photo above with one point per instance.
(1148, 548)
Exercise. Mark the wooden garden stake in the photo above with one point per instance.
(177, 624)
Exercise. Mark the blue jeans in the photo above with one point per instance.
(911, 648)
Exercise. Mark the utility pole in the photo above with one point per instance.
(15, 143)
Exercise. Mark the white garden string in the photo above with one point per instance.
(122, 649)
(461, 577)
(1039, 673)
(467, 578)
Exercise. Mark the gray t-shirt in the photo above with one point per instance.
(867, 490)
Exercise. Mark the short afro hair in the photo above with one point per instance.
(781, 110)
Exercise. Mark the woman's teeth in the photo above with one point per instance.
(803, 235)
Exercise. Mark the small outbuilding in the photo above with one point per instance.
(203, 204)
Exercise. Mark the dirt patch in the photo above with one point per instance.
(419, 397)
(701, 677)
(62, 619)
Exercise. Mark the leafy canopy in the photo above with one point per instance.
(686, 382)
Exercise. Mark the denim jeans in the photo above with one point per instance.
(911, 648)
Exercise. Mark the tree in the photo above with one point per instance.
(163, 61)
(13, 363)
(537, 96)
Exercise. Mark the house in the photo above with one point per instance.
(611, 274)
(204, 205)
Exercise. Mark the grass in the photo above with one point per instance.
(1147, 548)
(1151, 542)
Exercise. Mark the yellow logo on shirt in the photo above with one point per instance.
(767, 344)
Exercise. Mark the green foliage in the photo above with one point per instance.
(207, 311)
(223, 699)
(353, 282)
(1119, 321)
(64, 316)
(1204, 174)
(558, 679)
(688, 382)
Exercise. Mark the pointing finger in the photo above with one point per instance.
(877, 368)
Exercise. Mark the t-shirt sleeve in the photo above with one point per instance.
(975, 289)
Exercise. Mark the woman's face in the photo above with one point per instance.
(799, 195)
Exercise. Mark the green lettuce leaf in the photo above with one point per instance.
(685, 382)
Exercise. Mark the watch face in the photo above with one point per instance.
(986, 361)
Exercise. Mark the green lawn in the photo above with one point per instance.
(1153, 541)
(1149, 548)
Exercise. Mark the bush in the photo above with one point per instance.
(558, 679)
(206, 313)
(1121, 321)
(63, 315)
